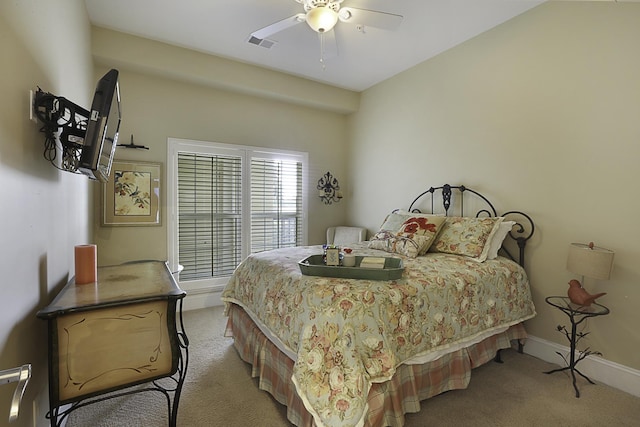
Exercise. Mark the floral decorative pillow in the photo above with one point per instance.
(467, 236)
(423, 225)
(396, 243)
(415, 236)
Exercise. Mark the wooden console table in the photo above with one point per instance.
(116, 333)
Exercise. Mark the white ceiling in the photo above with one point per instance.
(222, 28)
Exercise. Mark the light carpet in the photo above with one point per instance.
(219, 391)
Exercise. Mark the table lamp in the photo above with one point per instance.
(588, 261)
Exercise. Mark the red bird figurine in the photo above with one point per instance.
(578, 295)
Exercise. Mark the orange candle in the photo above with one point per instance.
(86, 259)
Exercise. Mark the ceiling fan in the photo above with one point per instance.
(323, 15)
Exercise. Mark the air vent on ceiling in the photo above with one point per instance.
(268, 44)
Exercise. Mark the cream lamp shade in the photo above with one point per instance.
(322, 19)
(590, 261)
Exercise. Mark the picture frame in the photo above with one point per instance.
(131, 196)
(333, 256)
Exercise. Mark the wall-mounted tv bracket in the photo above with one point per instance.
(64, 125)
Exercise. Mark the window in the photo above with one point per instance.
(276, 204)
(209, 214)
(226, 201)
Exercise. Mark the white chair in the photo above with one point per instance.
(344, 235)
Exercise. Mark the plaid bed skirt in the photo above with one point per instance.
(389, 401)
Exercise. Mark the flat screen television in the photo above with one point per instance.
(101, 137)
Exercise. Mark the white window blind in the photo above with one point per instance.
(209, 214)
(226, 201)
(276, 204)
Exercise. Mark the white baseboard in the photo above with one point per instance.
(197, 300)
(598, 369)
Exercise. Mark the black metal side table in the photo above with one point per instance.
(577, 314)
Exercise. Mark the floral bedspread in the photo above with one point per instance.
(348, 334)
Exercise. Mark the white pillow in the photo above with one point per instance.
(498, 237)
(393, 221)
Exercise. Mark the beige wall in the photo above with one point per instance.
(163, 100)
(44, 213)
(541, 114)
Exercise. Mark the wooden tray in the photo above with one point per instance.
(314, 266)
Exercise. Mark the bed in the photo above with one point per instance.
(364, 352)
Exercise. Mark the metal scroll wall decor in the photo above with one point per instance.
(329, 189)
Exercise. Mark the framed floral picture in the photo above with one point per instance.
(132, 194)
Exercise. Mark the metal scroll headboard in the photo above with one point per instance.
(452, 198)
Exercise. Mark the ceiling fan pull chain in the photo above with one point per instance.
(321, 35)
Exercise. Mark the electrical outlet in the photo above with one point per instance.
(32, 115)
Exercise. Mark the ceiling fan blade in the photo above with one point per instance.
(370, 18)
(270, 30)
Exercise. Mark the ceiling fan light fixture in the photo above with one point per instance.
(322, 19)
